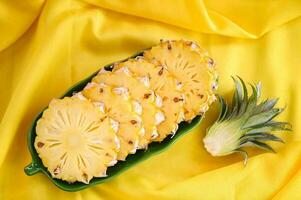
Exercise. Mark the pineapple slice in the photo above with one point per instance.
(75, 140)
(192, 68)
(144, 100)
(164, 85)
(113, 126)
(118, 106)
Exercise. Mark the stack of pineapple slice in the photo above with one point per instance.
(140, 101)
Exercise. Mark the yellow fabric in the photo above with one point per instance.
(47, 46)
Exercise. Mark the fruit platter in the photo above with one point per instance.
(122, 114)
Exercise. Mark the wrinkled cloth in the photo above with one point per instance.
(47, 46)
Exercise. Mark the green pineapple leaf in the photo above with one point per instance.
(245, 122)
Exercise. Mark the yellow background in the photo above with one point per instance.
(47, 46)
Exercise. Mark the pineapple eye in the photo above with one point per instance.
(161, 71)
(146, 96)
(133, 122)
(214, 86)
(169, 46)
(57, 170)
(176, 99)
(85, 176)
(211, 62)
(40, 144)
(200, 95)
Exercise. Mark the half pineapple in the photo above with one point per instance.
(164, 85)
(192, 68)
(75, 141)
(144, 100)
(117, 104)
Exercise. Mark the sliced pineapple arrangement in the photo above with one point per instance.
(140, 101)
(164, 85)
(144, 100)
(118, 105)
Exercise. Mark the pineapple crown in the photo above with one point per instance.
(246, 122)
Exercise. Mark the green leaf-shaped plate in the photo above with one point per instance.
(154, 148)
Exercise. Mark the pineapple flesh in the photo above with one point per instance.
(140, 101)
(75, 141)
(144, 100)
(193, 69)
(164, 85)
(118, 106)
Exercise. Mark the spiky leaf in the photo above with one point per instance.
(245, 122)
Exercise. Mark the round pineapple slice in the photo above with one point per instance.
(164, 85)
(144, 100)
(75, 141)
(118, 106)
(192, 68)
(112, 126)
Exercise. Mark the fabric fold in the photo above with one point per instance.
(46, 47)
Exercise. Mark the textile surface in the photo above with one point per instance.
(47, 46)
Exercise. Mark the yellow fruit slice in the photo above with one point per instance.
(143, 97)
(118, 106)
(192, 68)
(113, 126)
(164, 85)
(75, 141)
